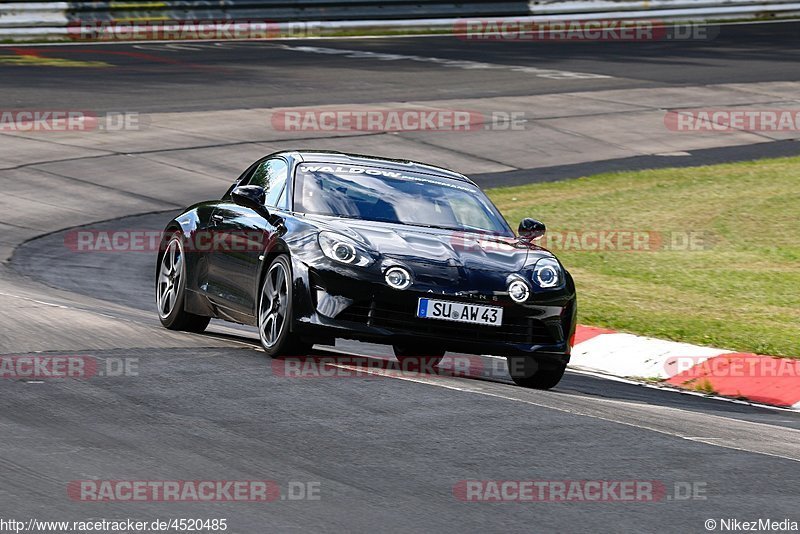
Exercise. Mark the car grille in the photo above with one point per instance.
(402, 316)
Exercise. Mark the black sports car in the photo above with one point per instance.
(310, 246)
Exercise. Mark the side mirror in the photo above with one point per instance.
(531, 229)
(253, 197)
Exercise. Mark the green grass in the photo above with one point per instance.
(740, 291)
(702, 386)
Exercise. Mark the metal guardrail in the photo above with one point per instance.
(51, 20)
(297, 10)
(658, 9)
(33, 14)
(600, 6)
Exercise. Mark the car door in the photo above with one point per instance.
(240, 236)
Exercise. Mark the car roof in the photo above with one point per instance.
(332, 156)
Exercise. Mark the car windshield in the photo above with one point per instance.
(376, 194)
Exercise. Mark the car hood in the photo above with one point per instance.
(432, 245)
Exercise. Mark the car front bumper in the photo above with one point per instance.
(335, 302)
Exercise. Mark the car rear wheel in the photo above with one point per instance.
(526, 372)
(275, 312)
(415, 357)
(170, 289)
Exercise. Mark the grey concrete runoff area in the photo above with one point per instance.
(376, 451)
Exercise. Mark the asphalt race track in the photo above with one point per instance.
(158, 77)
(385, 452)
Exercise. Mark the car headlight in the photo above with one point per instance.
(344, 250)
(547, 273)
(518, 290)
(398, 277)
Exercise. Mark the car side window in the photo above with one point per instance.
(271, 175)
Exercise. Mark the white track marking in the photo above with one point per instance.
(630, 355)
(465, 64)
(765, 439)
(29, 299)
(61, 306)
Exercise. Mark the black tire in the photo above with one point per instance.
(170, 289)
(415, 357)
(283, 342)
(526, 372)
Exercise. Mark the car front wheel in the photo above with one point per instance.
(415, 357)
(526, 372)
(275, 312)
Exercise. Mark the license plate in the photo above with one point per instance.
(460, 311)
